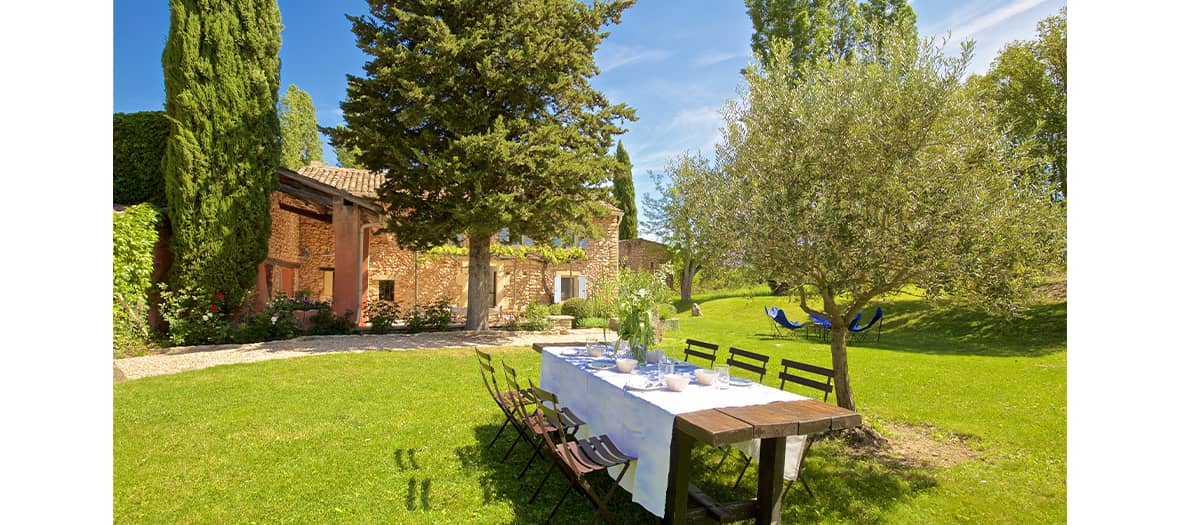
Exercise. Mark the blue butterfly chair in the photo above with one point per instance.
(857, 333)
(822, 327)
(780, 320)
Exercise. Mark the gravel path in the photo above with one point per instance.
(180, 359)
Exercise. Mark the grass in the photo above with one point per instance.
(399, 436)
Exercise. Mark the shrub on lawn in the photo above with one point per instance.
(592, 322)
(536, 317)
(134, 237)
(667, 311)
(577, 307)
(554, 309)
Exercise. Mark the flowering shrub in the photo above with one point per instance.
(382, 315)
(436, 315)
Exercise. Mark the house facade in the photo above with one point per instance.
(325, 242)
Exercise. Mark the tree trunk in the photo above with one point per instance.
(840, 366)
(479, 282)
(686, 276)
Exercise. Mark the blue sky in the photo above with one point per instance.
(676, 63)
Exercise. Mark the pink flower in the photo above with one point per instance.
(220, 296)
(213, 308)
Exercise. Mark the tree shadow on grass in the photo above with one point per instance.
(848, 488)
(500, 483)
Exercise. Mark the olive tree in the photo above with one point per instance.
(869, 175)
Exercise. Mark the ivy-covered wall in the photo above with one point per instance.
(134, 237)
(138, 151)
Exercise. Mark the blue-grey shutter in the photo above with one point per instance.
(582, 286)
(556, 288)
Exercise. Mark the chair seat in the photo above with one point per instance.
(593, 454)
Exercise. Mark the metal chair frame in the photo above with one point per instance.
(503, 399)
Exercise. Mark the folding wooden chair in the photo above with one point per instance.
(826, 387)
(506, 400)
(757, 362)
(530, 418)
(578, 458)
(700, 349)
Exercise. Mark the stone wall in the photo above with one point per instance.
(436, 276)
(316, 241)
(642, 254)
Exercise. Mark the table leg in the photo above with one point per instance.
(679, 468)
(772, 456)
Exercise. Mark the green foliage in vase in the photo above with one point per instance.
(221, 76)
(139, 142)
(298, 130)
(876, 173)
(134, 238)
(1027, 81)
(482, 128)
(624, 193)
(639, 296)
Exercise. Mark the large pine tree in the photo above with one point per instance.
(221, 78)
(482, 116)
(624, 190)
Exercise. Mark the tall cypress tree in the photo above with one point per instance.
(624, 191)
(221, 78)
(300, 135)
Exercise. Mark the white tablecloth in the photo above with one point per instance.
(640, 423)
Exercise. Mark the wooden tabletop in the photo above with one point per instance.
(723, 426)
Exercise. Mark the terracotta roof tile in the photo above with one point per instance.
(362, 183)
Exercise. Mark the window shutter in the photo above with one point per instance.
(582, 286)
(556, 289)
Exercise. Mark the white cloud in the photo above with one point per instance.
(614, 56)
(698, 116)
(716, 57)
(984, 22)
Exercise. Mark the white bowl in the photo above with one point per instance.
(676, 382)
(704, 376)
(626, 365)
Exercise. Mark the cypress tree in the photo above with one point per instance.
(624, 191)
(221, 78)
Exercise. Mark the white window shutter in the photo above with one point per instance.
(556, 289)
(582, 286)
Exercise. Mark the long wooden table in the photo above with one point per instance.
(771, 423)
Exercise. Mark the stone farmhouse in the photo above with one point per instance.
(324, 241)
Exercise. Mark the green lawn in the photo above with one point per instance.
(397, 437)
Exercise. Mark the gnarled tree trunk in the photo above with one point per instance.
(479, 281)
(840, 366)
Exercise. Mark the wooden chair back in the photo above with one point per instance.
(701, 349)
(826, 373)
(757, 362)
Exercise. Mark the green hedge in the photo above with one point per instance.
(138, 151)
(135, 236)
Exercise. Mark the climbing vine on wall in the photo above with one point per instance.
(135, 236)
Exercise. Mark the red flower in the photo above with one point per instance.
(220, 297)
(213, 308)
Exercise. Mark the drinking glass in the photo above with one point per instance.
(622, 348)
(667, 368)
(722, 380)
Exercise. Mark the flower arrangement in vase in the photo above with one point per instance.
(639, 294)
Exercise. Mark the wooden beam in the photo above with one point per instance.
(321, 199)
(282, 264)
(322, 217)
(716, 511)
(713, 427)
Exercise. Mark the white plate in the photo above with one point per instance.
(740, 381)
(602, 365)
(642, 385)
(572, 351)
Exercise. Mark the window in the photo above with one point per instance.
(569, 287)
(503, 235)
(583, 243)
(385, 290)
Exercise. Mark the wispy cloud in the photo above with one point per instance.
(614, 56)
(987, 21)
(716, 57)
(698, 116)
